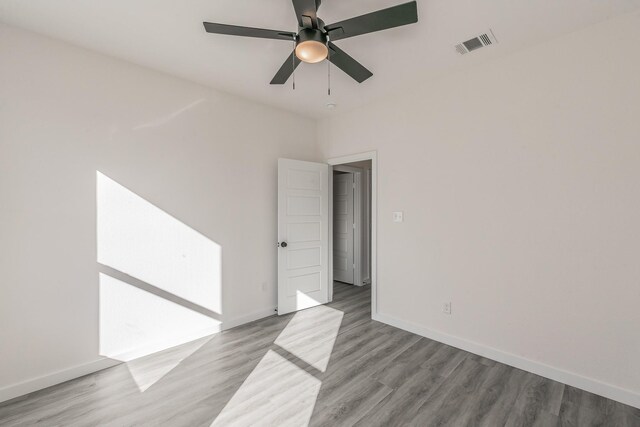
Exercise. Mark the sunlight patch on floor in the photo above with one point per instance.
(265, 396)
(147, 371)
(311, 334)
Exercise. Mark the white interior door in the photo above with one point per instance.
(303, 235)
(343, 227)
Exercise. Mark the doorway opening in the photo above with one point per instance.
(306, 235)
(352, 224)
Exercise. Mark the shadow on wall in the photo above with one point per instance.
(169, 117)
(160, 280)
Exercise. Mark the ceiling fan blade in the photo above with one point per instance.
(376, 21)
(234, 30)
(307, 12)
(353, 68)
(286, 70)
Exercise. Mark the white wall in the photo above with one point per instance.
(520, 184)
(207, 159)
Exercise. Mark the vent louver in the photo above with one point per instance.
(485, 39)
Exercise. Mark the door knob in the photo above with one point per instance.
(283, 244)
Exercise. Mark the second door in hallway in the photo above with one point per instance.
(343, 227)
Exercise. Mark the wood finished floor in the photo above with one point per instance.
(326, 366)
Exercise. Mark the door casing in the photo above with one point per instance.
(336, 161)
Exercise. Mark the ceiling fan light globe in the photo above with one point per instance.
(311, 51)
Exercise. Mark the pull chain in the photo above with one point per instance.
(293, 63)
(328, 68)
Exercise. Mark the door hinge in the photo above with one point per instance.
(354, 225)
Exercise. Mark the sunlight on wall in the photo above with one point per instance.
(261, 399)
(312, 341)
(139, 239)
(166, 289)
(135, 323)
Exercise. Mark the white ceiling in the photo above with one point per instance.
(168, 36)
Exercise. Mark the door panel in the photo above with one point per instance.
(303, 213)
(304, 283)
(343, 220)
(303, 231)
(302, 258)
(304, 205)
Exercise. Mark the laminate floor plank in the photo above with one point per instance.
(498, 396)
(353, 403)
(329, 365)
(448, 404)
(405, 401)
(581, 408)
(407, 364)
(538, 402)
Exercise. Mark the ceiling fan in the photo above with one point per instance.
(314, 40)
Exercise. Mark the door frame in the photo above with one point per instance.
(336, 161)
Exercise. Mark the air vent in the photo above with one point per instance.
(475, 43)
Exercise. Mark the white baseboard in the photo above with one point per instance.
(600, 388)
(251, 317)
(155, 347)
(35, 384)
(161, 345)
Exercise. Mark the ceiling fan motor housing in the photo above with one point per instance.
(309, 34)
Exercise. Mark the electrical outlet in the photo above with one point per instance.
(446, 308)
(398, 217)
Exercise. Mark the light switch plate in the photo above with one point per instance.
(398, 217)
(446, 308)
